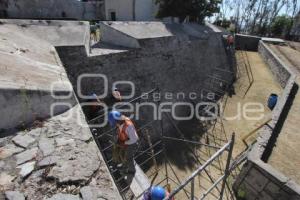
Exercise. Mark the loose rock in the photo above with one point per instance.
(95, 193)
(35, 132)
(87, 193)
(46, 146)
(61, 196)
(65, 141)
(9, 150)
(26, 169)
(76, 167)
(23, 140)
(26, 155)
(47, 161)
(14, 195)
(6, 180)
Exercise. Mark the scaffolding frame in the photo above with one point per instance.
(244, 70)
(191, 179)
(167, 167)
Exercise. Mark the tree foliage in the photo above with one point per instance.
(258, 16)
(196, 10)
(281, 25)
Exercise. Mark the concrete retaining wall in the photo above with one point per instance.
(258, 180)
(25, 106)
(54, 9)
(278, 69)
(113, 36)
(246, 42)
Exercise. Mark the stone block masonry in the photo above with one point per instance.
(173, 64)
(73, 165)
(281, 73)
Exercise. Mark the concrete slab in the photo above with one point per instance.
(103, 48)
(140, 182)
(273, 40)
(147, 30)
(28, 61)
(56, 32)
(141, 30)
(31, 72)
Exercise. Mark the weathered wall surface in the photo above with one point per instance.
(131, 10)
(55, 9)
(279, 70)
(145, 10)
(258, 180)
(261, 183)
(116, 37)
(23, 106)
(167, 63)
(246, 42)
(30, 72)
(123, 9)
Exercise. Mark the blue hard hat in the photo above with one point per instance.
(158, 193)
(113, 116)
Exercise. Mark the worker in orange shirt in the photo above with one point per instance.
(126, 140)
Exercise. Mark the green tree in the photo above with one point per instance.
(197, 10)
(225, 23)
(281, 26)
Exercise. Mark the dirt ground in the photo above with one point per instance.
(264, 84)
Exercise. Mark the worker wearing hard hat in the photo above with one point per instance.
(156, 193)
(127, 138)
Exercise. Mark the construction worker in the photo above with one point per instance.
(95, 110)
(127, 138)
(230, 41)
(156, 193)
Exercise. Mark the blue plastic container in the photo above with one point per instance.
(272, 101)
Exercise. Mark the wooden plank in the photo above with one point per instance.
(140, 182)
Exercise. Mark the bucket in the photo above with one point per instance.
(272, 101)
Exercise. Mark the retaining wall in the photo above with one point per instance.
(23, 106)
(281, 73)
(168, 63)
(258, 180)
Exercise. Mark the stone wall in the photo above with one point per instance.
(281, 73)
(55, 9)
(167, 63)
